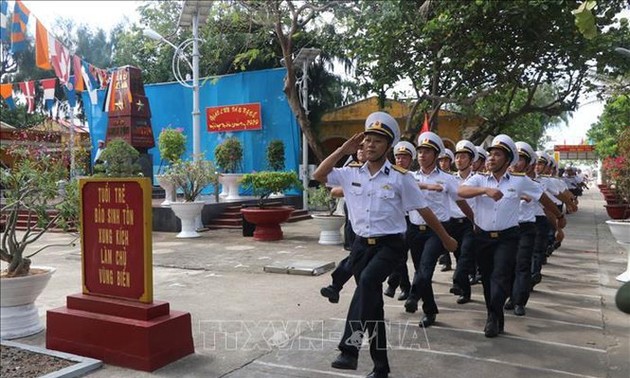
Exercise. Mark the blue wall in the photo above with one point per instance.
(171, 106)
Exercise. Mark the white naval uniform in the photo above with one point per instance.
(438, 202)
(491, 215)
(377, 203)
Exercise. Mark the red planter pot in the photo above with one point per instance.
(618, 211)
(267, 221)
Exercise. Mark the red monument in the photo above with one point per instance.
(115, 319)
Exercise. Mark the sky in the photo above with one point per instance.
(106, 14)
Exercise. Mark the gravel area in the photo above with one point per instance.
(20, 363)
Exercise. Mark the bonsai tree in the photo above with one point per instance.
(320, 199)
(264, 183)
(191, 176)
(229, 154)
(30, 187)
(275, 155)
(172, 145)
(120, 160)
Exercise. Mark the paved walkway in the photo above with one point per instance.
(247, 323)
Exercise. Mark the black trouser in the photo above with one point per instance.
(400, 275)
(348, 232)
(426, 248)
(371, 264)
(342, 273)
(540, 245)
(462, 231)
(522, 271)
(496, 256)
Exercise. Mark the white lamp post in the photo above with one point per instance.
(304, 57)
(192, 13)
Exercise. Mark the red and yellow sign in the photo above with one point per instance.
(234, 118)
(116, 246)
(574, 148)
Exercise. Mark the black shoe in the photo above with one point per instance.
(519, 310)
(509, 305)
(345, 361)
(427, 320)
(536, 279)
(456, 290)
(390, 291)
(377, 374)
(331, 293)
(492, 327)
(446, 268)
(404, 294)
(463, 299)
(411, 305)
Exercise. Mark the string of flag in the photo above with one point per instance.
(73, 73)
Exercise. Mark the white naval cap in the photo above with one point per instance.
(431, 140)
(467, 146)
(526, 151)
(404, 147)
(506, 144)
(383, 124)
(447, 154)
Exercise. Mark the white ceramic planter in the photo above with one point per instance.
(621, 232)
(18, 314)
(187, 212)
(169, 188)
(330, 226)
(230, 182)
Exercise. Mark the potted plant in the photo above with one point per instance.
(267, 219)
(228, 156)
(30, 189)
(619, 174)
(275, 159)
(275, 155)
(322, 206)
(172, 145)
(191, 177)
(120, 160)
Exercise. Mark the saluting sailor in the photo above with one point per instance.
(378, 194)
(440, 189)
(497, 194)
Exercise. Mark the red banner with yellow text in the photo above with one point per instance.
(239, 117)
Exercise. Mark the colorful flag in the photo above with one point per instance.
(4, 21)
(6, 91)
(110, 96)
(71, 95)
(18, 27)
(49, 91)
(425, 125)
(78, 76)
(60, 58)
(42, 55)
(91, 84)
(28, 89)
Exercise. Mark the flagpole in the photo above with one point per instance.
(72, 162)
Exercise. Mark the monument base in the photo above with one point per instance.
(129, 334)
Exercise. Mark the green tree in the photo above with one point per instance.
(458, 52)
(615, 119)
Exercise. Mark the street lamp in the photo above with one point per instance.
(304, 57)
(180, 56)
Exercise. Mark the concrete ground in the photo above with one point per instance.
(247, 323)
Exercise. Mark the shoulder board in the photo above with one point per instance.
(399, 169)
(521, 174)
(355, 165)
(482, 173)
